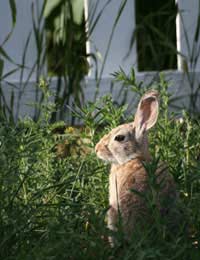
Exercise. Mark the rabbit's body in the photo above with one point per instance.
(123, 202)
(124, 181)
(126, 148)
(123, 178)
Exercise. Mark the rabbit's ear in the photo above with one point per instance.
(147, 113)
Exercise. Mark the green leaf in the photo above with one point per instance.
(12, 98)
(1, 67)
(78, 8)
(50, 6)
(3, 77)
(13, 11)
(5, 55)
(14, 16)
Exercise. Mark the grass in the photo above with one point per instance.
(54, 206)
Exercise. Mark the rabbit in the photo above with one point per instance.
(126, 148)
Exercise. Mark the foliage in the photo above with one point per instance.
(66, 47)
(54, 207)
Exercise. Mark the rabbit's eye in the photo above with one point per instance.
(119, 138)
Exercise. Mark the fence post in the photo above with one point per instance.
(99, 38)
(187, 23)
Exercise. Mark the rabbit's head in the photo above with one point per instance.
(129, 141)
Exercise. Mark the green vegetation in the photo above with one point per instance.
(54, 207)
(53, 189)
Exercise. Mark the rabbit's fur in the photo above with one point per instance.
(126, 148)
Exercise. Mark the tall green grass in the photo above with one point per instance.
(55, 208)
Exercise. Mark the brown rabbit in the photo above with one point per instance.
(126, 147)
